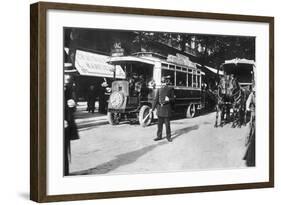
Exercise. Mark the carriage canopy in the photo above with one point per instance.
(242, 69)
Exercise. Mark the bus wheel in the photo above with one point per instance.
(191, 111)
(144, 119)
(113, 118)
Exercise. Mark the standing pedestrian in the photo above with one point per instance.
(70, 128)
(102, 97)
(250, 155)
(92, 98)
(163, 100)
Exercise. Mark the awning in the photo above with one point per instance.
(93, 64)
(238, 61)
(214, 70)
(241, 64)
(210, 69)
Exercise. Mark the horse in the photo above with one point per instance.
(239, 107)
(230, 96)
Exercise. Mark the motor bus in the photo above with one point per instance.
(132, 97)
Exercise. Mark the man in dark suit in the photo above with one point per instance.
(163, 100)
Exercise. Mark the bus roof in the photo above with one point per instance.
(147, 58)
(129, 59)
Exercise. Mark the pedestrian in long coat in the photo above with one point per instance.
(102, 97)
(250, 155)
(163, 103)
(92, 95)
(70, 128)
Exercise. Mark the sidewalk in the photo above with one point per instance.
(85, 120)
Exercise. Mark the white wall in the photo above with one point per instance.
(14, 35)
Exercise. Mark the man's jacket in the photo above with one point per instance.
(163, 107)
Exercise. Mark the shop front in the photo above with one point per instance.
(93, 71)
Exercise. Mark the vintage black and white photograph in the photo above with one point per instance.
(140, 102)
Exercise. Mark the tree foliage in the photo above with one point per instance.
(217, 49)
(211, 50)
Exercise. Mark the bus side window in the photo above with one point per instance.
(180, 79)
(198, 81)
(194, 82)
(171, 74)
(189, 80)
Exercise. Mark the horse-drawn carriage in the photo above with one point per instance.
(234, 88)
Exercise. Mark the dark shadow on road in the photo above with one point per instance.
(130, 157)
(206, 112)
(182, 131)
(120, 160)
(178, 116)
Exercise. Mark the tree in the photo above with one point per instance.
(175, 40)
(217, 49)
(214, 49)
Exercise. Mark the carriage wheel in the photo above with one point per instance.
(113, 118)
(143, 118)
(191, 111)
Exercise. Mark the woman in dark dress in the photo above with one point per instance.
(250, 155)
(70, 128)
